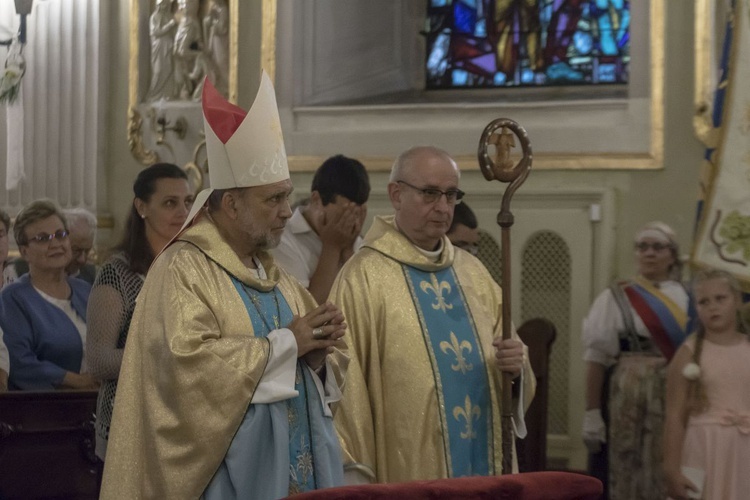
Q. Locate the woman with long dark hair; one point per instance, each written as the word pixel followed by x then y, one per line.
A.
pixel 162 201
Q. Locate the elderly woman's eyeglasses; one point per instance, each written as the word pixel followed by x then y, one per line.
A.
pixel 431 195
pixel 46 238
pixel 643 246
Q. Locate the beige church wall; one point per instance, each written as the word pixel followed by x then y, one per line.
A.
pixel 115 196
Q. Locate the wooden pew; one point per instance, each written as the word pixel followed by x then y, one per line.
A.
pixel 47 445
pixel 538 334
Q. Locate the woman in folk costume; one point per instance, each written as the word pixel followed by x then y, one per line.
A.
pixel 632 330
pixel 230 368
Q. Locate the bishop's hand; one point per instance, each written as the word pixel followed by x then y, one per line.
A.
pixel 317 332
pixel 509 356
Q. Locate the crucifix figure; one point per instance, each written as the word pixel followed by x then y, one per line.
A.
pixel 503 143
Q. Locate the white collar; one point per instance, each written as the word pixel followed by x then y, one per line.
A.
pixel 259 273
pixel 433 255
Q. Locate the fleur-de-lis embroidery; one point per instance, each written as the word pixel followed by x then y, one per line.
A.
pixel 458 348
pixel 437 287
pixel 468 412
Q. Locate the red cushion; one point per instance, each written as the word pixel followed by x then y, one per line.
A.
pixel 525 486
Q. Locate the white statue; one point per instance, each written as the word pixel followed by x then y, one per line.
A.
pixel 161 31
pixel 188 47
pixel 216 29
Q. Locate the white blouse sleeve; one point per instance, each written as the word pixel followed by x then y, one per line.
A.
pixel 601 327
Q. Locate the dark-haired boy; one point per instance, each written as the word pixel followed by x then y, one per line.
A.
pixel 322 235
pixel 464 230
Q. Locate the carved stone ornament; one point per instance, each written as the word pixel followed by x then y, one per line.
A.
pixel 174 45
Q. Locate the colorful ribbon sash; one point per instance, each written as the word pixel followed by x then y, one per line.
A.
pixel 665 320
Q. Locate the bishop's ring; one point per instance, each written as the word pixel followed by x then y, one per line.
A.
pixel 318 333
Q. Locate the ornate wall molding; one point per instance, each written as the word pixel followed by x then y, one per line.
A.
pixel 168 125
pixel 573 129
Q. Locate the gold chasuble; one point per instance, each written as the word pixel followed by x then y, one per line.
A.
pixel 422 395
pixel 191 366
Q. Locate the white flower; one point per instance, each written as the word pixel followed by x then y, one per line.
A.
pixel 11 75
pixel 691 371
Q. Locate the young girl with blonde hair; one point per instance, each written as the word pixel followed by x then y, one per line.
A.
pixel 707 431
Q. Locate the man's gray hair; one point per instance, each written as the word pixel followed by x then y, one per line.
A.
pixel 405 160
pixel 77 215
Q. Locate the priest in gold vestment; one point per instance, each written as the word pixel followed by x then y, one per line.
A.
pixel 423 389
pixel 230 368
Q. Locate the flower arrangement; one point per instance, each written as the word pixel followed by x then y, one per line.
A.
pixel 12 74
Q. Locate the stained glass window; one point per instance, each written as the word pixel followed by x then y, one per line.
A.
pixel 515 43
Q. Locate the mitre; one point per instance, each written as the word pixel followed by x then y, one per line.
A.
pixel 244 149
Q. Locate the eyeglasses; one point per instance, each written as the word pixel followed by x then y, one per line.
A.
pixel 431 195
pixel 643 246
pixel 46 238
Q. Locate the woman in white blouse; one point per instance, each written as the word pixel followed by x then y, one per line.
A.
pixel 632 330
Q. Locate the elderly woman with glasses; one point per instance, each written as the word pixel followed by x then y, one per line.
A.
pixel 43 314
pixel 632 330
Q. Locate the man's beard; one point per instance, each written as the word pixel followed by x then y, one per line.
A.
pixel 267 242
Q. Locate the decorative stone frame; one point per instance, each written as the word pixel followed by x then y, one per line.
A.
pixel 313 131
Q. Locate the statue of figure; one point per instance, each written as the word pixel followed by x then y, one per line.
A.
pixel 216 29
pixel 188 46
pixel 161 31
pixel 503 142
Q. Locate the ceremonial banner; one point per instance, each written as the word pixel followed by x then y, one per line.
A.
pixel 723 236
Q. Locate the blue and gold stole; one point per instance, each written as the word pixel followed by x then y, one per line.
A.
pixel 269 311
pixel 668 324
pixel 458 366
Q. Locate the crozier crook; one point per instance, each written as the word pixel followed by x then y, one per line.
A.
pixel 502 168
